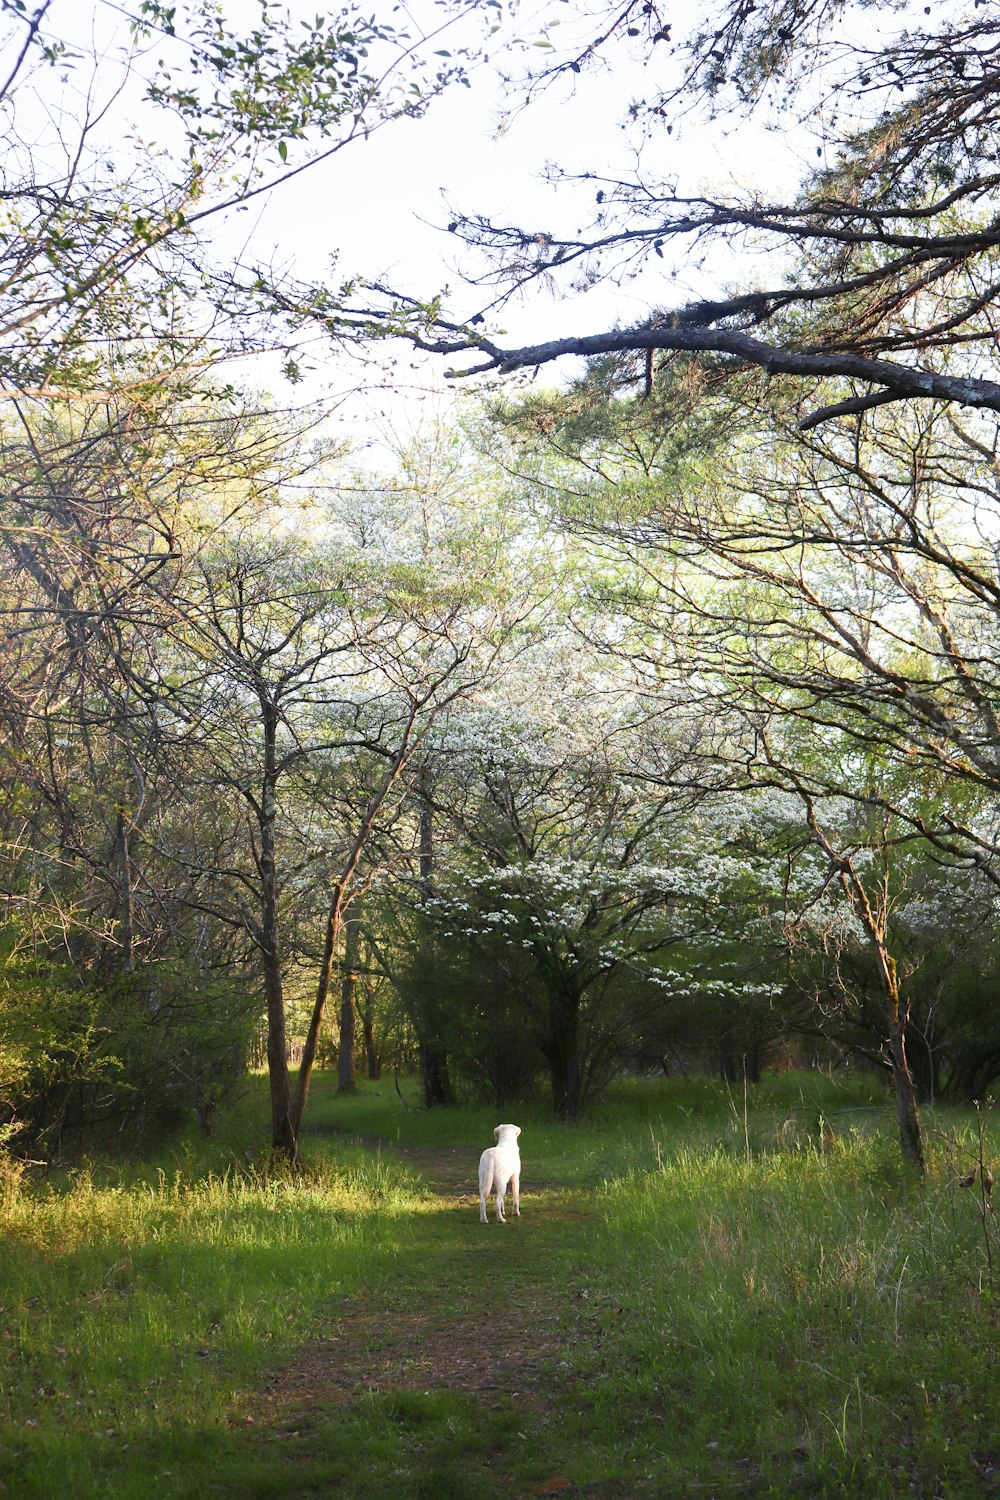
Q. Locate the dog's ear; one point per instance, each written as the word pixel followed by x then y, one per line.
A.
pixel 496 1131
pixel 517 1130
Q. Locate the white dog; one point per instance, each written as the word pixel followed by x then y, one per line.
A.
pixel 498 1166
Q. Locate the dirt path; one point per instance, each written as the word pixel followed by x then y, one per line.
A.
pixel 447 1170
pixel 451 1171
pixel 464 1346
pixel 421 1353
pixel 473 1338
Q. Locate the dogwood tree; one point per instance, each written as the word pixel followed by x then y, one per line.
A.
pixel 580 852
pixel 312 670
pixel 832 590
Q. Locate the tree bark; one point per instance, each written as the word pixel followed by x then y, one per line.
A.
pixel 372 1060
pixel 433 1054
pixel 907 1114
pixel 330 943
pixel 895 382
pixel 562 1053
pixel 874 923
pixel 334 918
pixel 435 1077
pixel 284 1138
pixel 367 1015
pixel 284 1132
pixel 346 1083
pixel 126 924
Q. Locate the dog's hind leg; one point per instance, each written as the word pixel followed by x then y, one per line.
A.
pixel 485 1185
pixel 515 1188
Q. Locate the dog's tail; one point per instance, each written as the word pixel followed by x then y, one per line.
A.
pixel 486 1169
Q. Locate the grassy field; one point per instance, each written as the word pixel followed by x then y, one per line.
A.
pixel 705 1295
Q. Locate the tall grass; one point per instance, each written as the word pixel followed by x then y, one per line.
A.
pixel 738 1295
pixel 821 1318
pixel 135 1307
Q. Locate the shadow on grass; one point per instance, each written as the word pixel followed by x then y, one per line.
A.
pixel 402 1445
pixel 428 1374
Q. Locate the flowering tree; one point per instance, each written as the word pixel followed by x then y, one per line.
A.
pixel 314 673
pixel 831 594
pixel 581 851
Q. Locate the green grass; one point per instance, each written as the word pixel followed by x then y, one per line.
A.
pixel 700 1298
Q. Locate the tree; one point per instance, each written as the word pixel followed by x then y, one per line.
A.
pixel 866 886
pixel 107 511
pixel 830 593
pixel 845 578
pixel 104 511
pixel 111 309
pixel 569 867
pixel 445 504
pixel 457 609
pixel 310 671
pixel 107 275
pixel 939 933
pixel 348 1000
pixel 886 250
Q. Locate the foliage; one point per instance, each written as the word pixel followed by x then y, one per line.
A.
pixel 662 723
pixel 489 1002
pixel 827 600
pixel 882 247
pixel 84 1062
pixel 54 1045
pixel 108 278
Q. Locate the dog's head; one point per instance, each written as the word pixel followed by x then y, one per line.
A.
pixel 507 1132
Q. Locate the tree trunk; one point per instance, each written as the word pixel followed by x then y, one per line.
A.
pixel 284 1132
pixel 875 922
pixel 562 1053
pixel 284 1139
pixel 435 1077
pixel 333 921
pixel 126 925
pixel 907 1115
pixel 331 940
pixel 433 1053
pixel 372 1060
pixel 729 1068
pixel 367 1016
pixel 346 1083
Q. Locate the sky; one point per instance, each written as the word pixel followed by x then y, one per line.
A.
pixel 383 205
pixel 379 207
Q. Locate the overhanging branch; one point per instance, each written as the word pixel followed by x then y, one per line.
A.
pixel 894 382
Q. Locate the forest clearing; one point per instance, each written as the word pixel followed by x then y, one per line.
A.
pixel 499 624
pixel 698 1299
